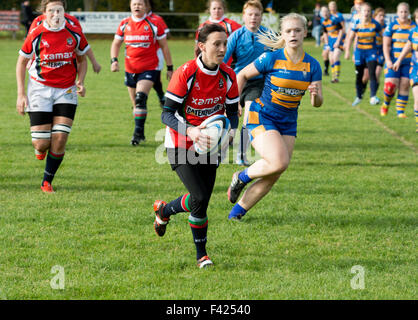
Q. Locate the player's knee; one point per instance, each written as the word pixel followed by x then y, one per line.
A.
pixel 278 167
pixel 199 204
pixel 389 88
pixel 141 100
pixel 41 139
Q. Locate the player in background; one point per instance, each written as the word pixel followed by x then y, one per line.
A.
pixel 333 38
pixel 289 72
pixel 199 89
pixel 217 9
pixel 411 45
pixel 142 37
pixel 365 53
pixel 379 16
pixel 51 98
pixel 73 21
pixel 394 39
pixel 333 9
pixel 244 48
pixel 158 86
pixel 325 47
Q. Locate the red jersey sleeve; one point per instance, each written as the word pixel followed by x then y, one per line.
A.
pixel 120 32
pixel 72 20
pixel 180 83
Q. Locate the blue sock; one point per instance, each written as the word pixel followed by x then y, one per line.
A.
pixel 237 212
pixel 243 176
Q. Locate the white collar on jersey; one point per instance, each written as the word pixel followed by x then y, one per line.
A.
pixel 204 69
pixel 216 21
pixel 135 19
pixel 46 25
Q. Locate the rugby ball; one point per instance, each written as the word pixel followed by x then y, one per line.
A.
pixel 217 127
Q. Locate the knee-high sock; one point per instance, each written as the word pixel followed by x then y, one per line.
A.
pixel 53 162
pixel 199 227
pixel 181 204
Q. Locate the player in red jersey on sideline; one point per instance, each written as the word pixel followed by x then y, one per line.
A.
pixel 217 10
pixel 199 89
pixel 57 49
pixel 142 38
pixel 73 21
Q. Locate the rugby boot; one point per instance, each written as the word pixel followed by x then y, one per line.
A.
pixel 160 223
pixel 235 188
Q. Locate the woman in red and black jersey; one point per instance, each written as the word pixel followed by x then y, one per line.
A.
pixel 199 89
pixel 58 51
pixel 142 37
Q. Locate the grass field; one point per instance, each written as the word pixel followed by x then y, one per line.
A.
pixel 349 198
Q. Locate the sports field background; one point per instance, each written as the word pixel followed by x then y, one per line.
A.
pixel 349 198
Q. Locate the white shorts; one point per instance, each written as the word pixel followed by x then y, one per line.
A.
pixel 42 98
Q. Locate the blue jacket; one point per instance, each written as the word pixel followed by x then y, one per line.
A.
pixel 244 47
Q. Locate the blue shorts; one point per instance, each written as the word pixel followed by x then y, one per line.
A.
pixel 361 56
pixel 283 121
pixel 380 57
pixel 403 72
pixel 131 79
pixel 332 41
pixel 413 75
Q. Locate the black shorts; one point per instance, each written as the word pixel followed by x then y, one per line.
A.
pixel 131 79
pixel 59 110
pixel 252 90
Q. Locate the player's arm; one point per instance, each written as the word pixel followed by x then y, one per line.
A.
pixel 114 53
pixel 81 73
pixel 22 99
pixel 96 66
pixel 167 56
pixel 387 43
pixel 348 42
pixel 315 89
pixel 340 36
pixel 406 49
pixel 246 74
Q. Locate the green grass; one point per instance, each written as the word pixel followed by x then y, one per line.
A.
pixel 348 198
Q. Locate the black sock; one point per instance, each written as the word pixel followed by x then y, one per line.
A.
pixel 326 64
pixel 199 228
pixel 181 204
pixel 53 161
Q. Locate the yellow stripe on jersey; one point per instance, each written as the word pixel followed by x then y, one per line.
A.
pixel 253 117
pixel 289 65
pixel 289 83
pixel 399 36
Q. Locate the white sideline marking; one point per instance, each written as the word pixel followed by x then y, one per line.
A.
pixel 393 133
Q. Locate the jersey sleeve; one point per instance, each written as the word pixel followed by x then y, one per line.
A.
pixel 264 63
pixel 316 71
pixel 36 22
pixel 232 99
pixel 388 31
pixel 231 46
pixel 120 32
pixel 27 48
pixel 83 46
pixel 161 34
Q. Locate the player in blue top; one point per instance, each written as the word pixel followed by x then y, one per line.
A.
pixel 289 72
pixel 412 44
pixel 244 47
pixel 395 37
pixel 365 53
pixel 333 37
pixel 379 16
pixel 333 9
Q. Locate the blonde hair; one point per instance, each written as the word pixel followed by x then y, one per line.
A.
pixel 415 15
pixel 253 3
pixel 402 4
pixel 275 40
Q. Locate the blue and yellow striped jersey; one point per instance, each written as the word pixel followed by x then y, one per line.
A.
pixel 399 33
pixel 285 81
pixel 379 38
pixel 366 34
pixel 413 37
pixel 331 26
